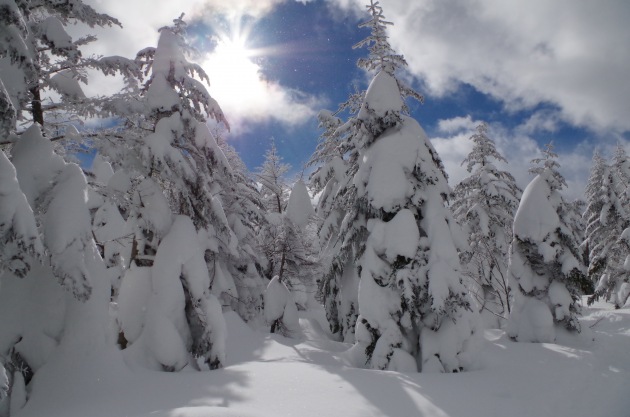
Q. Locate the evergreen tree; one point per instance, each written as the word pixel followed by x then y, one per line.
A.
pixel 621 168
pixel 38 56
pixel 614 284
pixel 275 193
pixel 45 237
pixel 246 217
pixel 173 185
pixel 610 267
pixel 290 250
pixel 545 264
pixel 414 310
pixel 621 165
pixel 485 203
pixel 273 183
pixel 606 216
pixel 336 161
pixel 299 247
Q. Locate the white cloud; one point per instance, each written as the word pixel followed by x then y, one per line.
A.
pixel 573 53
pixel 245 97
pixel 541 121
pixel 456 124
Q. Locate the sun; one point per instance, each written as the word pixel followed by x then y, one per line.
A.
pixel 237 83
pixel 231 63
pixel 235 76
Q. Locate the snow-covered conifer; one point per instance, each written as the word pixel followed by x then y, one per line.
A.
pixel 46 234
pixel 273 182
pixel 299 247
pixel 275 193
pixel 50 195
pixel 621 164
pixel 545 263
pixel 175 178
pixel 39 56
pixel 19 236
pixel 485 203
pixel 606 217
pixel 414 309
pixel 614 284
pixel 290 252
pixel 336 158
pixel 621 172
pixel 246 216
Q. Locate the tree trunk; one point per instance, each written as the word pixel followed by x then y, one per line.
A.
pixel 36 106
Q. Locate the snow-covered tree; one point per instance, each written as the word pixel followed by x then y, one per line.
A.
pixel 46 234
pixel 274 190
pixel 609 237
pixel 246 216
pixel 606 216
pixel 414 308
pixel 614 284
pixel 621 165
pixel 290 251
pixel 299 247
pixel 273 182
pixel 485 203
pixel 173 187
pixel 47 243
pixel 18 231
pixel 167 312
pixel 336 160
pixel 38 56
pixel 545 263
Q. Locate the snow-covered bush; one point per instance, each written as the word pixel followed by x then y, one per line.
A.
pixel 280 310
pixel 182 318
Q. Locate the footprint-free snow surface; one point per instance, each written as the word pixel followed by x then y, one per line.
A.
pixel 267 375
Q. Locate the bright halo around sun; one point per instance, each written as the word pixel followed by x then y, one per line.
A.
pixel 234 76
pixel 237 85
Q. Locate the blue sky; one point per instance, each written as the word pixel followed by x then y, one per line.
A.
pixel 535 72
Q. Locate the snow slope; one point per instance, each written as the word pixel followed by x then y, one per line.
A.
pixel 268 375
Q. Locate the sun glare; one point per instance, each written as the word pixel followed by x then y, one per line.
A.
pixel 236 82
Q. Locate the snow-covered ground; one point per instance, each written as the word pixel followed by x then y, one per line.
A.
pixel 268 375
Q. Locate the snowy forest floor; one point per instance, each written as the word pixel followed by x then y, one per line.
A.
pixel 268 375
